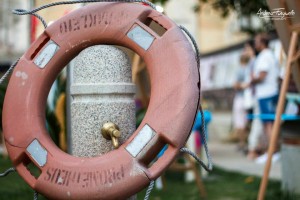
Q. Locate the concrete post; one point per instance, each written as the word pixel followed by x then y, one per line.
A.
pixel 102 91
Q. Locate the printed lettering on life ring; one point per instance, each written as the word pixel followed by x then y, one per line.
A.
pixel 175 86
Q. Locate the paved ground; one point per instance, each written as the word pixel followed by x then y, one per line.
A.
pixel 226 155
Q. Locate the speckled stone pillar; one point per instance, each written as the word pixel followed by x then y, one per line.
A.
pixel 102 91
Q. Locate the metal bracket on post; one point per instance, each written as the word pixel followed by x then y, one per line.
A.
pixel 111 131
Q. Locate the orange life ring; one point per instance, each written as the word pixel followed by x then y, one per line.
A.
pixel 175 87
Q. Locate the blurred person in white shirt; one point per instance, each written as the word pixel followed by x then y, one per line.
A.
pixel 265 81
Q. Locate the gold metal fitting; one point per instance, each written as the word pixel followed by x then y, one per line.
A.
pixel 111 131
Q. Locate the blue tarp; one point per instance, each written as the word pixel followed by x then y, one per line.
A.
pixel 198 121
pixel 284 117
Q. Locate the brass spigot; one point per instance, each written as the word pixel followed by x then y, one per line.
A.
pixel 111 131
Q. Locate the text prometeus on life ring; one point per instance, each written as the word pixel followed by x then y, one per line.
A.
pixel 84 179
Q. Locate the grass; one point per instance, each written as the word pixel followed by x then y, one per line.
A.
pixel 12 187
pixel 220 185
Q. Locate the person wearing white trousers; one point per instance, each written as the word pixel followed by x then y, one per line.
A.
pixel 256 132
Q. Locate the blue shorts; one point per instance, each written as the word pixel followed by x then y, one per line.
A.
pixel 268 106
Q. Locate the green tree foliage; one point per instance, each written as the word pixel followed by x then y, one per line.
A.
pixel 244 8
pixel 162 2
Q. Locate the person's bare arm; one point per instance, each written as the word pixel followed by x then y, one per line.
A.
pixel 260 78
pixel 240 86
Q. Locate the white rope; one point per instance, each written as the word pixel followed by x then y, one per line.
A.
pixel 8 171
pixel 149 190
pixel 7 73
pixel 33 12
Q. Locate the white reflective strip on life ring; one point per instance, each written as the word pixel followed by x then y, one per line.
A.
pixel 140 141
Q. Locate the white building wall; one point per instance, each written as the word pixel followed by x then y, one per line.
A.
pixel 182 12
pixel 14 30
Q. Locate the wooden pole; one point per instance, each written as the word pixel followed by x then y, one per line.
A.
pixel 137 66
pixel 197 175
pixel 190 165
pixel 279 111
